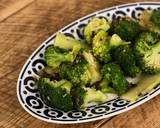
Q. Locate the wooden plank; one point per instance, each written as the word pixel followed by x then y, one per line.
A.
pixel 23 32
pixel 144 116
pixel 20 35
pixel 102 122
pixel 13 8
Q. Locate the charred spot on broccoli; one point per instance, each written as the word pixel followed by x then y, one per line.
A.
pixel 49 72
pixel 147 49
pixel 56 93
pixel 149 21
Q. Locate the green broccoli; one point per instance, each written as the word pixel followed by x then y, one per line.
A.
pixel 64 49
pixel 103 44
pixel 124 56
pixel 66 42
pixel 56 93
pixel 155 18
pixel 144 85
pixel 93 67
pixel 149 21
pixel 116 41
pixel 85 70
pixel 100 46
pixel 127 29
pixel 78 72
pixel 54 56
pixel 93 27
pixel 113 76
pixel 82 96
pixel 147 51
pixel 105 87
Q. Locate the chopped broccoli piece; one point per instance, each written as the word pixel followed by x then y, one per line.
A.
pixel 82 96
pixel 56 93
pixel 126 59
pixel 126 29
pixel 93 67
pixel 48 72
pixel 64 49
pixel 105 87
pixel 155 18
pixel 84 70
pixel 147 51
pixel 66 42
pixel 114 77
pixel 93 27
pixel 146 84
pixel 54 56
pixel 147 22
pixel 116 41
pixel 102 45
pixel 78 73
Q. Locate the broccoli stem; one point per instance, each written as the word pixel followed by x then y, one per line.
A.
pixel 146 84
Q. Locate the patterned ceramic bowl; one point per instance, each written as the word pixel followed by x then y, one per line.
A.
pixel 28 94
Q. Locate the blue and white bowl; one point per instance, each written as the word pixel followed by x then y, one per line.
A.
pixel 28 94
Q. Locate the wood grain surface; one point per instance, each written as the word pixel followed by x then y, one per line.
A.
pixel 23 27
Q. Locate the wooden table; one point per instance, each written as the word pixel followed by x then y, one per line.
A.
pixel 24 25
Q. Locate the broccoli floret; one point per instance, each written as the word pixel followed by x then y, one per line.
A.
pixel 147 50
pixel 148 20
pixel 155 18
pixel 105 87
pixel 103 44
pixel 84 70
pixel 82 96
pixel 78 72
pixel 93 67
pixel 100 46
pixel 116 41
pixel 126 59
pixel 54 56
pixel 66 42
pixel 93 27
pixel 56 93
pixel 113 76
pixel 127 29
pixel 64 49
